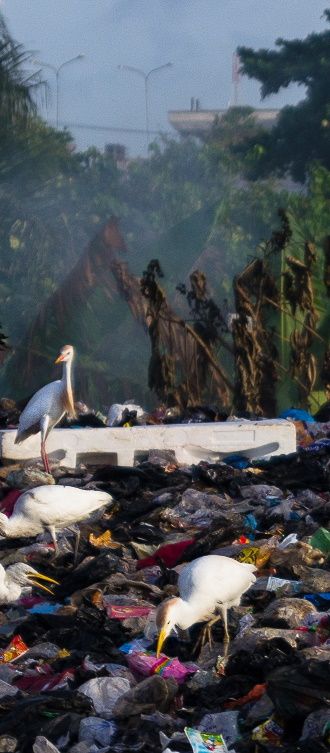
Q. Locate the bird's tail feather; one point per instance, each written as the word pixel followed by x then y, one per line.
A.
pixel 25 433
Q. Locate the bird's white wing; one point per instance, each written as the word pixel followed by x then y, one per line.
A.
pixel 59 505
pixel 214 579
pixel 42 403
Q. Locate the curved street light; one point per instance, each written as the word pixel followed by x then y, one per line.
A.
pixel 57 70
pixel 145 77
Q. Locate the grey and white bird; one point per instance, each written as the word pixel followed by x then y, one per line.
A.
pixel 51 508
pixel 207 585
pixel 48 405
pixel 18 577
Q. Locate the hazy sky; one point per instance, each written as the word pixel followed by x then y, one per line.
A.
pixel 197 36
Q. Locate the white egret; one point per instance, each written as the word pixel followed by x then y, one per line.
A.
pixel 48 406
pixel 206 585
pixel 17 577
pixel 49 508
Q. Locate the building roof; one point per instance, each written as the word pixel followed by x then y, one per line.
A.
pixel 195 123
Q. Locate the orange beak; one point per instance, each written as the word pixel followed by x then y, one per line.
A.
pixel 59 359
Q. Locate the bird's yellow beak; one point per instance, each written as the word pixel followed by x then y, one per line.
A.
pixel 59 358
pixel 161 639
pixel 42 577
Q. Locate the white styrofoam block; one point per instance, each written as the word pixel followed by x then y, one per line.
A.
pixel 191 442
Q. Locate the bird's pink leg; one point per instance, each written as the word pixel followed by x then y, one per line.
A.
pixel 44 427
pixel 44 457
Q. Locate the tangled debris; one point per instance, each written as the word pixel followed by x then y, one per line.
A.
pixel 78 668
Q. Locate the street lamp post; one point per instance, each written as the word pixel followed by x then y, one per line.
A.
pixel 57 70
pixel 145 77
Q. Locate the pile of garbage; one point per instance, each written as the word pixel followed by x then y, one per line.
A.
pixel 78 667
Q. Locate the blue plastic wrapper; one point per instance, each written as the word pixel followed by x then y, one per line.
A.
pixel 139 644
pixel 272 501
pixel 297 415
pixel 45 608
pixel 237 461
pixel 250 522
pixel 321 601
pixel 320 444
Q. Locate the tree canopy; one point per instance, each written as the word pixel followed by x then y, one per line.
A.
pixel 302 133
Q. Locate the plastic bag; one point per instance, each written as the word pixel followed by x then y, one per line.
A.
pixel 105 692
pixel 288 541
pixel 274 584
pixel 95 730
pixel 115 414
pixel 151 630
pixel 169 554
pixel 40 683
pixel 139 644
pixel 315 724
pixel 225 722
pixel 42 745
pixel 153 693
pixel 300 689
pixel 321 540
pixel 6 689
pixel 147 664
pixel 320 600
pixel 45 608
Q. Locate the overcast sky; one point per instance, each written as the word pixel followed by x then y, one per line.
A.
pixel 197 36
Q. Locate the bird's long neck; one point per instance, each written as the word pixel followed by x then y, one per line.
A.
pixel 67 385
pixel 187 614
pixel 11 591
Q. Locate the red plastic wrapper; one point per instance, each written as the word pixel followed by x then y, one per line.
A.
pixel 16 648
pixel 118 612
pixel 38 683
pixel 30 601
pixel 8 503
pixel 147 664
pixel 169 555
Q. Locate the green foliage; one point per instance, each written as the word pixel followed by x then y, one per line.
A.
pixel 186 205
pixel 222 144
pixel 15 85
pixel 172 184
pixel 244 220
pixel 302 133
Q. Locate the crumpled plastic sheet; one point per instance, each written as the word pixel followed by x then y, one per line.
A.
pixel 105 692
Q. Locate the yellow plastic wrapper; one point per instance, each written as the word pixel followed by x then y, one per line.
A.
pixel 104 540
pixel 249 554
pixel 63 653
pixel 269 732
pixel 257 555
